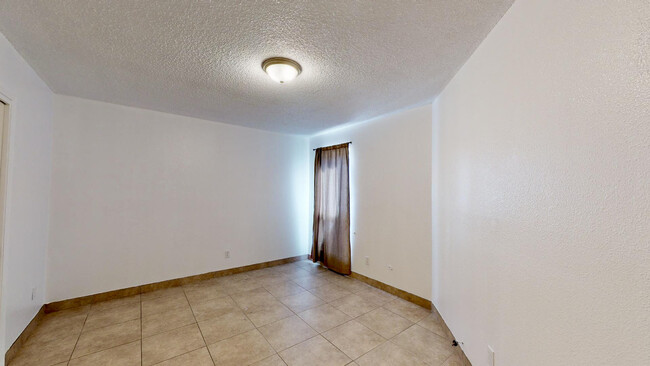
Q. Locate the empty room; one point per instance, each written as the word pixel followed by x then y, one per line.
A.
pixel 326 183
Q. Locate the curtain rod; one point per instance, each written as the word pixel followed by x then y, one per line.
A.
pixel 325 147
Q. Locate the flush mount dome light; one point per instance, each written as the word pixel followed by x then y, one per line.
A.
pixel 281 69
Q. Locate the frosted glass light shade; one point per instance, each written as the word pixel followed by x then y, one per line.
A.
pixel 281 69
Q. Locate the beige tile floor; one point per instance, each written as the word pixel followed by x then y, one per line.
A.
pixel 294 314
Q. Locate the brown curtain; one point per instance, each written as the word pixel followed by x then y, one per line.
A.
pixel 331 244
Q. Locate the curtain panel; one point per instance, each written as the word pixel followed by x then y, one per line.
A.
pixel 331 240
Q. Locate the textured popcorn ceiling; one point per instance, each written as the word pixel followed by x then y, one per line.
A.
pixel 360 59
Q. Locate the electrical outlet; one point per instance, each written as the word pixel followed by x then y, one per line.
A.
pixel 367 261
pixel 227 254
pixel 490 356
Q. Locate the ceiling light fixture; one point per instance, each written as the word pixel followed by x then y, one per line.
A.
pixel 281 69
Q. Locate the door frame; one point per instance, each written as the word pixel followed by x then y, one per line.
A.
pixel 9 108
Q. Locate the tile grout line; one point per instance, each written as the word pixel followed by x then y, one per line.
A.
pixel 396 335
pixel 105 349
pixel 113 324
pixel 102 350
pixel 266 339
pixel 363 325
pixel 142 320
pixel 386 339
pixel 179 355
pixel 197 325
pixel 237 305
pixel 80 333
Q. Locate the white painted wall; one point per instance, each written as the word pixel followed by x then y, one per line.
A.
pixel 390 196
pixel 28 192
pixel 140 196
pixel 542 237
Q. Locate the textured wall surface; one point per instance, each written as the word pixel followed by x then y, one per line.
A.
pixel 28 192
pixel 542 229
pixel 140 196
pixel 202 58
pixel 390 196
